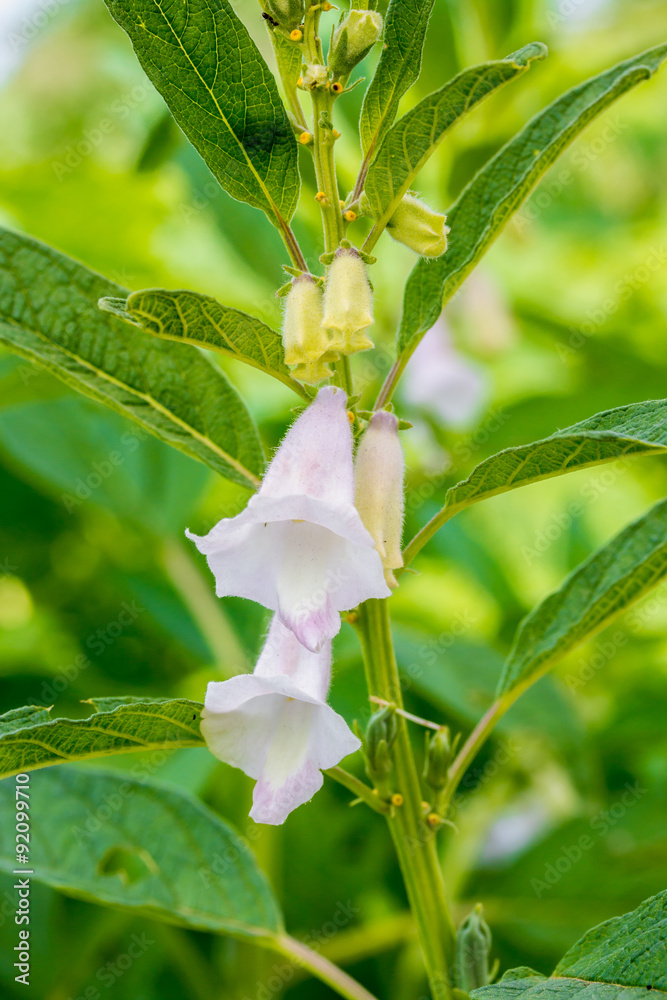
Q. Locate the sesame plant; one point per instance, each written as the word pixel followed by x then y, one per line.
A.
pixel 319 539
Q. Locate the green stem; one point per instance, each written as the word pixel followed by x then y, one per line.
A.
pixel 325 171
pixel 321 967
pixel 358 788
pixel 415 843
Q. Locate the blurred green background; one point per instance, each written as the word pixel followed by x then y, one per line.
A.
pixel 565 317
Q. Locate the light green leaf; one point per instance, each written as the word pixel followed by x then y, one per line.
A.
pixel 150 849
pixel 636 429
pixel 409 143
pixel 613 578
pixel 398 68
pixel 621 958
pixel 49 314
pixel 495 193
pixel 189 318
pixel 222 94
pixel 31 739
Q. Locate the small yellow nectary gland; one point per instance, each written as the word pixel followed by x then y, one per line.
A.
pixel 337 88
pixel 433 820
pixel 349 216
pixel 296 35
pixel 305 138
pixel 397 799
pixel 327 6
pixel 321 197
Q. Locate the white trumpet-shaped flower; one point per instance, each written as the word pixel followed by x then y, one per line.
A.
pixel 276 726
pixel 300 547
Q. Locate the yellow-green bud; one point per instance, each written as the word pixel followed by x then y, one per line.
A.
pixel 315 77
pixel 305 341
pixel 348 303
pixel 473 944
pixel 288 13
pixel 380 735
pixel 354 37
pixel 378 489
pixel 419 227
pixel 439 752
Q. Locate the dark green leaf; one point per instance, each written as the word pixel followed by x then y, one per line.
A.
pixel 624 956
pixel 190 318
pixel 147 848
pixel 222 94
pixel 614 577
pixel 30 738
pixel 495 193
pixel 637 429
pixel 404 31
pixel 49 314
pixel 414 138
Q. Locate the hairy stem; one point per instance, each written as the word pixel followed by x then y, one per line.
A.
pixel 415 843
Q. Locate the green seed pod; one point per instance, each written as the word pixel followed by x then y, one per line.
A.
pixel 473 944
pixel 380 735
pixel 288 14
pixel 439 753
pixel 353 39
pixel 419 227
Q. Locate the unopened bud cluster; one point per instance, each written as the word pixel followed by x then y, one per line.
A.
pixel 473 945
pixel 319 327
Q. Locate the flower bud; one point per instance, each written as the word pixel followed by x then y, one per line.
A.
pixel 378 489
pixel 354 37
pixel 305 341
pixel 419 227
pixel 348 303
pixel 439 753
pixel 287 13
pixel 380 735
pixel 473 943
pixel 315 77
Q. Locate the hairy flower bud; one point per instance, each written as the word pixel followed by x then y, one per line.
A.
pixel 348 303
pixel 378 489
pixel 315 77
pixel 354 37
pixel 473 943
pixel 419 227
pixel 305 341
pixel 439 752
pixel 287 13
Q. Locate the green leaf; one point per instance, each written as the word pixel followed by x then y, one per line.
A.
pixel 150 849
pixel 222 94
pixel 414 138
pixel 636 429
pixel 189 318
pixel 49 314
pixel 30 738
pixel 614 577
pixel 624 956
pixel 495 193
pixel 398 67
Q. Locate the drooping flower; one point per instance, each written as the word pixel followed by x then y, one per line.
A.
pixel 378 477
pixel 276 726
pixel 300 547
pixel 419 227
pixel 348 303
pixel 305 341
